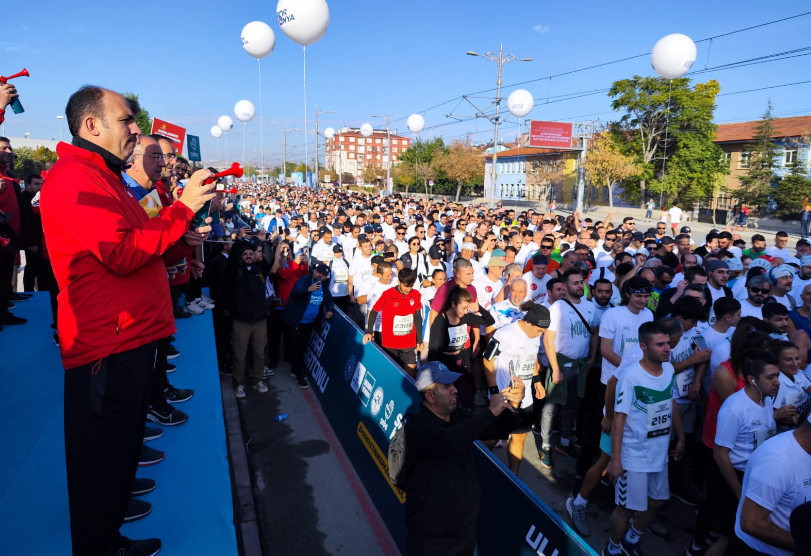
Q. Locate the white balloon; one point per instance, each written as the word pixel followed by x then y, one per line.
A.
pixel 415 123
pixel 366 130
pixel 216 131
pixel 673 56
pixel 258 39
pixel 244 110
pixel 303 21
pixel 225 123
pixel 329 133
pixel 520 103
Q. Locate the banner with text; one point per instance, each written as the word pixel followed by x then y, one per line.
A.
pixel 172 132
pixel 550 134
pixel 365 396
pixel 193 146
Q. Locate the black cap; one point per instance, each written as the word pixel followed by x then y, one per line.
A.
pixel 685 230
pixel 337 248
pixel 369 229
pixel 324 230
pixel 448 230
pixel 667 240
pixel 395 220
pixel 637 236
pixel 538 315
pixel 378 229
pixel 321 268
pixel 434 252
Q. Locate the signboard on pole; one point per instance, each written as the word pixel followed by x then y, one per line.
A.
pixel 193 146
pixel 172 132
pixel 556 135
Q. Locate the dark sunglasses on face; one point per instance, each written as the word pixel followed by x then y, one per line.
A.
pixel 760 290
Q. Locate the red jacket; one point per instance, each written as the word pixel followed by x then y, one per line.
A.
pixel 109 258
pixel 183 277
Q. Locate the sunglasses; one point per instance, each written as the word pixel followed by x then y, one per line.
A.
pixel 547 246
pixel 760 290
pixel 400 233
pixel 414 243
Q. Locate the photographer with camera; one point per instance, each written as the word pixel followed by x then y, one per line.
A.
pixel 284 273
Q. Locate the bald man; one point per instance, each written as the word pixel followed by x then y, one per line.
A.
pixel 144 172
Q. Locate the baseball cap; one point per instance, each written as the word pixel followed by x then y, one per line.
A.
pixel 667 240
pixel 368 229
pixel 337 248
pixel 538 315
pixel 435 373
pixel 496 261
pixel 448 229
pixel 378 229
pixel 435 253
pixel 324 230
pixel 637 236
pixel 321 268
pixel 685 230
pixel 642 251
pixel 715 264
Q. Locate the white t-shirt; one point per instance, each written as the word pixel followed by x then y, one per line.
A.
pixel 622 326
pixel 428 295
pixel 683 380
pixel 743 425
pixel 323 252
pixel 525 252
pixel 536 287
pixel 338 278
pixel 360 269
pixel 504 313
pixel 675 215
pixel 572 339
pixel 749 310
pixel 774 251
pixel 783 300
pixel 797 287
pixel 517 352
pixel 778 478
pixel 349 244
pixel 486 290
pixel 793 392
pixel 647 401
pixel 374 294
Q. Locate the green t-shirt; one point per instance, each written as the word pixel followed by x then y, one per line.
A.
pixel 752 254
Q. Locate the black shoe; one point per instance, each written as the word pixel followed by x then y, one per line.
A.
pixel 302 382
pixel 226 371
pixel 142 486
pixel 172 353
pixel 151 433
pixel 171 339
pixel 10 306
pixel 8 318
pixel 17 297
pixel 181 314
pixel 170 368
pixel 150 456
pixel 136 509
pixel 147 547
pixel 177 395
pixel 566 451
pixel 167 416
pixel 53 325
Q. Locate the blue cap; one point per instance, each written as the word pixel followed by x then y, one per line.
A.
pixel 435 373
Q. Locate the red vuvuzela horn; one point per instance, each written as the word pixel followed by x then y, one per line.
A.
pixel 23 73
pixel 235 170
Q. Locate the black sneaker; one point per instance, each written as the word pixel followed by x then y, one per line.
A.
pixel 172 353
pixel 167 416
pixel 10 306
pixel 147 547
pixel 136 509
pixel 170 368
pixel 150 456
pixel 142 486
pixel 172 339
pixel 567 451
pixel 181 314
pixel 17 297
pixel 177 395
pixel 226 371
pixel 268 372
pixel 151 433
pixel 8 318
pixel 302 382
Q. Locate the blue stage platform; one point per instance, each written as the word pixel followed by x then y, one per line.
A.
pixel 192 504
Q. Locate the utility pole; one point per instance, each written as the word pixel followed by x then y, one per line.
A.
pixel 500 59
pixel 317 113
pixel 285 129
pixel 387 150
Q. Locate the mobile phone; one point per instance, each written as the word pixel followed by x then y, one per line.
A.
pixel 492 349
pixel 512 375
pixel 700 343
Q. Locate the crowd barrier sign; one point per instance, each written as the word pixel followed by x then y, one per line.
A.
pixel 365 396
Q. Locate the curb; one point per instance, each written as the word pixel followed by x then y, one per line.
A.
pixel 244 511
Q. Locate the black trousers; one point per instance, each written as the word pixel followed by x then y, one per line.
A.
pixel 33 271
pixel 105 414
pixel 276 331
pixel 301 338
pixel 6 272
pixel 174 291
pixel 159 382
pixel 594 402
pixel 343 304
pixel 48 281
pixel 222 338
pixel 460 542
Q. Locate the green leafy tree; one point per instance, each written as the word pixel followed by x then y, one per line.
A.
pixel 422 156
pixel 756 185
pixel 658 123
pixel 32 161
pixel 463 164
pixel 791 191
pixel 141 116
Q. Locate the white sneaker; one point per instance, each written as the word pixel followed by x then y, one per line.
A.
pixel 203 304
pixel 207 300
pixel 193 308
pixel 240 391
pixel 261 387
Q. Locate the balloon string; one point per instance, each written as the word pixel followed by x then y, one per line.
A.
pixel 306 142
pixel 226 145
pixel 244 132
pixel 261 133
pixel 664 155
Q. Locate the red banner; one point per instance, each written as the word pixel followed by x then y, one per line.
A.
pixel 550 134
pixel 174 133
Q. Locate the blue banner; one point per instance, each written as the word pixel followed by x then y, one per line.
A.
pixel 365 395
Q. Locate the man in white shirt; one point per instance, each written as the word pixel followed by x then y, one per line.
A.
pixel 802 278
pixel 508 311
pixel 757 291
pixel 782 278
pixel 322 250
pixel 779 247
pixel 675 217
pixel 360 267
pixel 537 279
pixel 489 285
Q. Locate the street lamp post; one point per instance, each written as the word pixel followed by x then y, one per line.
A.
pixel 317 113
pixel 60 118
pixel 387 149
pixel 284 152
pixel 500 59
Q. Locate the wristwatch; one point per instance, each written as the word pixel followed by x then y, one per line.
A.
pixel 493 389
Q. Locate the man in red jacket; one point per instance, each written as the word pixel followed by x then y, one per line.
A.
pixel 109 259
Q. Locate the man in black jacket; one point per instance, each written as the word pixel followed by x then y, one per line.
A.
pixel 31 224
pixel 442 492
pixel 217 270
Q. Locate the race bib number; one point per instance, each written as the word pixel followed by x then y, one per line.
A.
pixel 403 325
pixel 458 337
pixel 683 382
pixel 659 416
pixel 341 276
pixel 759 437
pixel 365 273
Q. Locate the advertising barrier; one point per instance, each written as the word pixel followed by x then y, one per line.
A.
pixel 365 396
pixel 550 134
pixel 174 133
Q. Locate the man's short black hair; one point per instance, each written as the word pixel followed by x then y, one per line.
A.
pixel 726 306
pixel 627 218
pixel 774 309
pixel 87 101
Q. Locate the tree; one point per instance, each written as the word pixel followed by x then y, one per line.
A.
pixel 542 172
pixel 605 164
pixel 370 175
pixel 463 164
pixel 661 118
pixel 791 191
pixel 423 155
pixel 756 185
pixel 141 116
pixel 30 161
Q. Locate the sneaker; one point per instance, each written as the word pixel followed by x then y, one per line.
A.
pixel 240 391
pixel 147 547
pixel 142 486
pixel 657 529
pixel 579 517
pixel 203 304
pixel 302 382
pixel 268 372
pixel 260 387
pixel 180 313
pixel 692 551
pixel 566 451
pixel 172 339
pixel 8 318
pixel 152 433
pixel 10 306
pixel 56 339
pixel 605 552
pixel 546 457
pixel 136 509
pixel 17 297
pixel 170 368
pixel 177 395
pixel 194 309
pixel 167 416
pixel 226 371
pixel 688 495
pixel 480 399
pixel 631 549
pixel 172 353
pixel 150 456
pixel 207 300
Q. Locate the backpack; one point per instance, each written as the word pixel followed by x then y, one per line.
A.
pixel 397 457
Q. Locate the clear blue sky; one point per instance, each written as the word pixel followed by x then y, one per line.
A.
pixel 185 59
